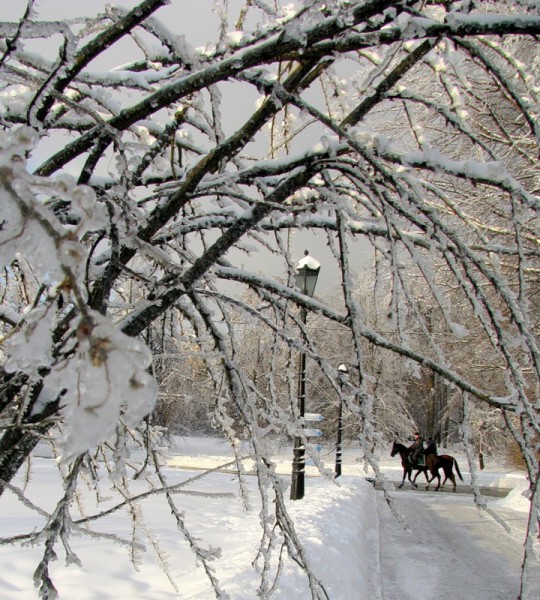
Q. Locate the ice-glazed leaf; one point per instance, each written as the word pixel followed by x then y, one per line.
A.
pixel 105 381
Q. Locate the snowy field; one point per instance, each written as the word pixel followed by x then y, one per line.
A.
pixel 338 523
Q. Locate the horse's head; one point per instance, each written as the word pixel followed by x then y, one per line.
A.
pixel 394 450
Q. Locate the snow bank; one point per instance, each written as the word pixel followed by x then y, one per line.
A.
pixel 340 531
pixel 517 497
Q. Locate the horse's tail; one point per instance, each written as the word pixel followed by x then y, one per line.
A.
pixel 457 469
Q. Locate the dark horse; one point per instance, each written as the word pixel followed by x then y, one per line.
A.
pixel 434 462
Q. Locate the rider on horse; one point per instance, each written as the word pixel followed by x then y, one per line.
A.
pixel 416 448
pixel 431 447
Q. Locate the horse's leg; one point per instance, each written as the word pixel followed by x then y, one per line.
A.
pixel 403 480
pixel 436 475
pixel 448 474
pixel 411 481
pixel 418 471
pixel 438 478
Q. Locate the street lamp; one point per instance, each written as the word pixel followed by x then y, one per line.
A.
pixel 307 271
pixel 343 373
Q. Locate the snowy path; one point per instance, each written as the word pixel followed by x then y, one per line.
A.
pixel 452 552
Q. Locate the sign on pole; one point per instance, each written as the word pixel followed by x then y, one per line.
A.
pixel 313 417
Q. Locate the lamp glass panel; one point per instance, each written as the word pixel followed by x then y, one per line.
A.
pixel 306 280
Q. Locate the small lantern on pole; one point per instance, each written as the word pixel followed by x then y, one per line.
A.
pixel 307 272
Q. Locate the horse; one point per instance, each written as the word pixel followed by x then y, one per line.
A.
pixel 434 462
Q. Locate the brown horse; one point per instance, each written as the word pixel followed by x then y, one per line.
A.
pixel 434 462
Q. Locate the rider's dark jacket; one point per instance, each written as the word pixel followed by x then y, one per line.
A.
pixel 416 447
pixel 431 448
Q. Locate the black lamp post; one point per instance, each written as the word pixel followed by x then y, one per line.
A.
pixel 342 378
pixel 307 271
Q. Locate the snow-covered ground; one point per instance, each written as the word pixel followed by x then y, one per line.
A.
pixel 338 523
